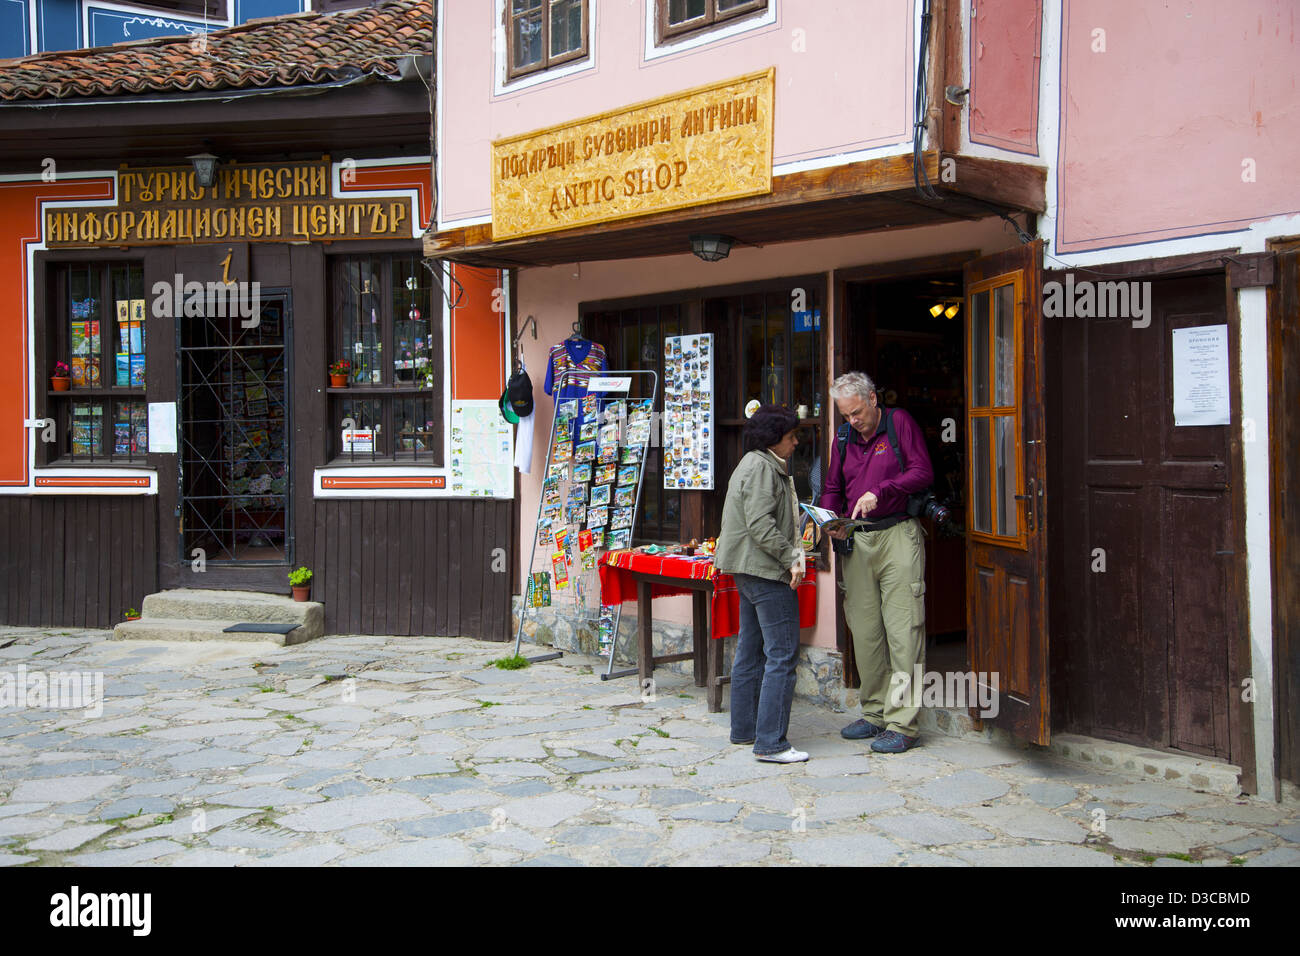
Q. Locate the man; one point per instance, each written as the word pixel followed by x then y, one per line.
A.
pixel 884 575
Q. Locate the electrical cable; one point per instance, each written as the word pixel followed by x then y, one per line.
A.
pixel 920 180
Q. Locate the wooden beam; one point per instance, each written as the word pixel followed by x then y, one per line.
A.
pixel 1018 185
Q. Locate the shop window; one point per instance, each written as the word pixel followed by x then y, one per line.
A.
pixel 675 18
pixel 96 314
pixel 634 339
pixel 541 34
pixel 386 324
pixel 994 412
pixel 773 331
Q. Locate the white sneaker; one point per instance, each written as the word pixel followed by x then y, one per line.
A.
pixel 785 756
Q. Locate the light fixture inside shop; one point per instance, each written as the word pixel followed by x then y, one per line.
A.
pixel 205 168
pixel 951 311
pixel 711 247
pixel 936 310
pixel 947 308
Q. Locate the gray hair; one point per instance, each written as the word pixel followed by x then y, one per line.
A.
pixel 853 383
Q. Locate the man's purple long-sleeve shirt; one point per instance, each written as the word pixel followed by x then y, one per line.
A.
pixel 873 467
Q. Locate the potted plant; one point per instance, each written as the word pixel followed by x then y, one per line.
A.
pixel 339 373
pixel 60 380
pixel 131 614
pixel 300 581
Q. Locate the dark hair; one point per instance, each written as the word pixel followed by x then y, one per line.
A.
pixel 769 425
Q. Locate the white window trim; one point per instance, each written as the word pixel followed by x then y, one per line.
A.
pixel 502 85
pixel 693 40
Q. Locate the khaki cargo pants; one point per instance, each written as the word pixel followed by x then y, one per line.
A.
pixel 884 606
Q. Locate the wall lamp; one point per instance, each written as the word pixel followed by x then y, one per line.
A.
pixel 711 247
pixel 205 168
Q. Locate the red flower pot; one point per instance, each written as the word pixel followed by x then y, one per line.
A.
pixel 338 381
pixel 301 592
pixel 61 383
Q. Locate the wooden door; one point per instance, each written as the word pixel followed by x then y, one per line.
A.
pixel 1284 437
pixel 1148 555
pixel 1006 554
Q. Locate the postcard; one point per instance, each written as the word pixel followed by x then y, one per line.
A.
pixel 599 495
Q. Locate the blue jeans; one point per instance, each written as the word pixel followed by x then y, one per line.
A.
pixel 762 673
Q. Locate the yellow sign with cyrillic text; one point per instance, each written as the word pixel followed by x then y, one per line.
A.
pixel 701 146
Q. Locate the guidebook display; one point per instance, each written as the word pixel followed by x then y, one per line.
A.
pixel 688 411
pixel 590 489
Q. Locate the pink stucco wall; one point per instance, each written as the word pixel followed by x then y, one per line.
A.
pixel 844 79
pixel 1005 47
pixel 553 295
pixel 1155 130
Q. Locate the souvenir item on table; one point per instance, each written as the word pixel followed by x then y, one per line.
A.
pixel 604 474
pixel 624 497
pixel 597 517
pixel 586 451
pixel 588 431
pixel 560 565
pixel 599 495
pixel 582 472
pixel 608 453
pixel 632 455
pixel 622 519
pixel 627 475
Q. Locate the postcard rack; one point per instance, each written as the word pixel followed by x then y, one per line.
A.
pixel 591 492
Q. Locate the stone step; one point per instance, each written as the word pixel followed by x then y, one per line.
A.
pixel 175 629
pixel 194 604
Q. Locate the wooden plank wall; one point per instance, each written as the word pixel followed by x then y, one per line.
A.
pixel 415 566
pixel 76 561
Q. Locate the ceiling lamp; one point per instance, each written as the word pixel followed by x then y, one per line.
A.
pixel 711 247
pixel 951 311
pixel 936 310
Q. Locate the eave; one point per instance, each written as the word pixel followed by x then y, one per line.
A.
pixel 867 196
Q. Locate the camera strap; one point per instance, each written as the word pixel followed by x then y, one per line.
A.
pixel 842 439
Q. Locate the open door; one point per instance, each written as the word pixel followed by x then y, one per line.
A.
pixel 1006 553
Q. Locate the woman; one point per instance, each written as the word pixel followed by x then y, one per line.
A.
pixel 759 548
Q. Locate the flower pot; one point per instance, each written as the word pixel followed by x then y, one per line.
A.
pixel 301 592
pixel 60 383
pixel 131 617
pixel 338 381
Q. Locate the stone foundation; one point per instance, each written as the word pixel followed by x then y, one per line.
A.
pixel 819 676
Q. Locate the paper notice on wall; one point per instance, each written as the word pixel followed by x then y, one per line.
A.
pixel 1201 394
pixel 162 428
pixel 482 451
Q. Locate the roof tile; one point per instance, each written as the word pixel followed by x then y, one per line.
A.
pixel 292 50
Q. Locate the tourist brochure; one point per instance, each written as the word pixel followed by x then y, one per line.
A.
pixel 829 521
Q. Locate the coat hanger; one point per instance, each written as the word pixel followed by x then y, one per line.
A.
pixel 576 335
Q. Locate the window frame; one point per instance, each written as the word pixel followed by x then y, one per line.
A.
pixel 547 61
pixel 666 32
pixel 388 392
pixel 54 344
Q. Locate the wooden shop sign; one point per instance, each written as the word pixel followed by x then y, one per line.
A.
pixel 702 146
pixel 284 202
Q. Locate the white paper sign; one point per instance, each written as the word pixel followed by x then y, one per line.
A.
pixel 1201 394
pixel 162 428
pixel 609 384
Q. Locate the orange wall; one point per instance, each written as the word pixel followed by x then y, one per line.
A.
pixel 477 334
pixel 20 226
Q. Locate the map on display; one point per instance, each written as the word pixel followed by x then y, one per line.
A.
pixel 482 451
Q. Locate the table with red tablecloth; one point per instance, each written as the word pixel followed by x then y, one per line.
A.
pixel 625 575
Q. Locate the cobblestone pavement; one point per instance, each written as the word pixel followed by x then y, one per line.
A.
pixel 397 751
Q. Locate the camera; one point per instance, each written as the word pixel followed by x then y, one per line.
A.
pixel 924 504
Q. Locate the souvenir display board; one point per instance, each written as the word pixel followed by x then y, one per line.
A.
pixel 688 412
pixel 591 489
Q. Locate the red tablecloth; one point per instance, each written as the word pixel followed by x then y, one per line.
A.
pixel 617 585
